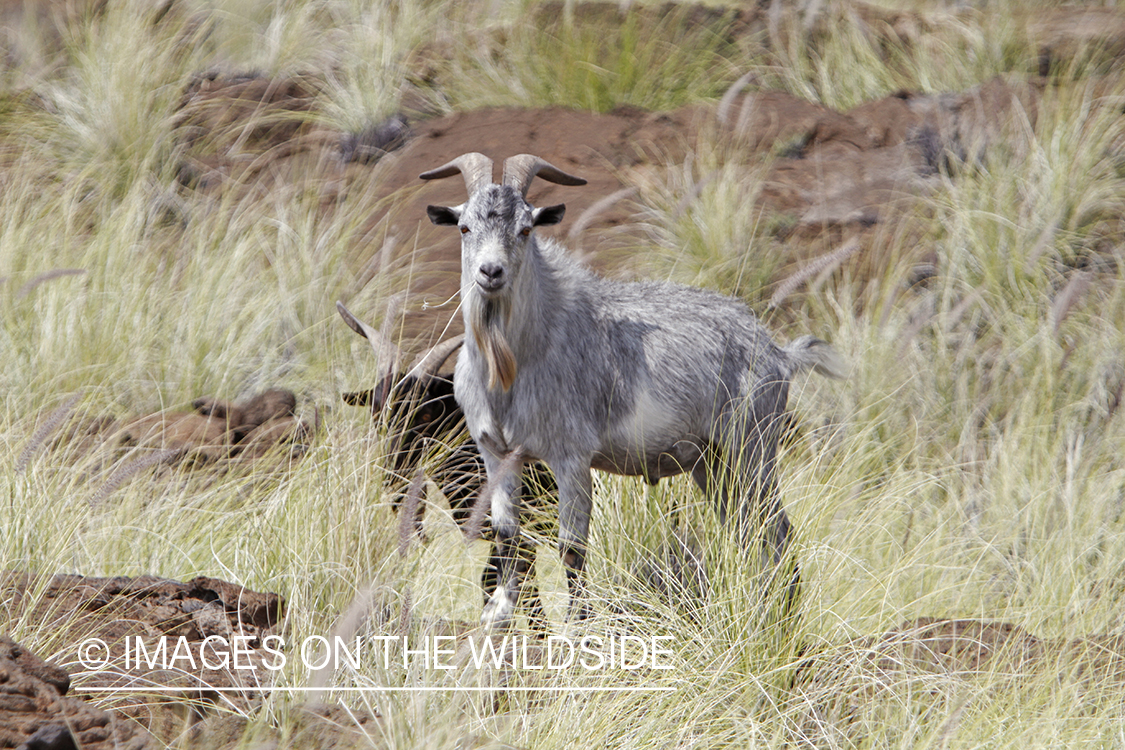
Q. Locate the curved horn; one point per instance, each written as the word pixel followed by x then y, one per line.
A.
pixel 387 355
pixel 520 170
pixel 474 166
pixel 427 365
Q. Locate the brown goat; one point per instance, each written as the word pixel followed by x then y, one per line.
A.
pixel 418 405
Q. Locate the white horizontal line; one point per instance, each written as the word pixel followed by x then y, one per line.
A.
pixel 373 689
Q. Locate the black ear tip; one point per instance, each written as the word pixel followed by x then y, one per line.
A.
pixel 443 216
pixel 545 217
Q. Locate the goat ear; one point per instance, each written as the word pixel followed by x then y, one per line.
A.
pixel 545 217
pixel 444 216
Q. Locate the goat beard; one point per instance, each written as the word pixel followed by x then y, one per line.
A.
pixel 488 321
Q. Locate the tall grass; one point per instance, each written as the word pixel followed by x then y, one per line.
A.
pixel 704 228
pixel 933 49
pixel 970 465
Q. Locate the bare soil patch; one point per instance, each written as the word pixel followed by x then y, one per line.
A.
pixel 831 176
pixel 48 703
pixel 35 711
pixel 66 610
pixel 262 434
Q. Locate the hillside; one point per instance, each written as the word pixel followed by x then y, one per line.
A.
pixel 186 190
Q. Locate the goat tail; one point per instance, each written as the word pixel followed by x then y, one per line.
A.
pixel 811 353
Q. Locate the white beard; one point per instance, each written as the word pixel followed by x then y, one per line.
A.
pixel 488 322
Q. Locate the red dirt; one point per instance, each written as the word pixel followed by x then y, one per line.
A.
pixel 66 610
pixel 834 173
pixel 35 711
pixel 261 434
pixel 46 702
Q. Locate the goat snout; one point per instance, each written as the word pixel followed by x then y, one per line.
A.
pixel 491 277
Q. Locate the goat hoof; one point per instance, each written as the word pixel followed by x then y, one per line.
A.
pixel 498 612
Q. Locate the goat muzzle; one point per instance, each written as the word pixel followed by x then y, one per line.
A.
pixel 491 278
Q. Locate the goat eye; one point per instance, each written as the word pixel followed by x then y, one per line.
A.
pixel 464 230
pixel 525 231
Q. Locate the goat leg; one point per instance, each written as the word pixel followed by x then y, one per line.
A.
pixel 575 503
pixel 503 490
pixel 528 588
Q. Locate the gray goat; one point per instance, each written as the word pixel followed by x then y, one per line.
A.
pixel 637 378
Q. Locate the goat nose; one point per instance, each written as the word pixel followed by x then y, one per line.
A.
pixel 492 272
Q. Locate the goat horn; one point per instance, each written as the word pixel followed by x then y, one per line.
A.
pixel 474 166
pixel 520 170
pixel 427 365
pixel 384 348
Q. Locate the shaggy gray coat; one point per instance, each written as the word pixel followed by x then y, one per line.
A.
pixel 650 379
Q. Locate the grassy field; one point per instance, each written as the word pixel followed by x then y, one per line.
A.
pixel 972 465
